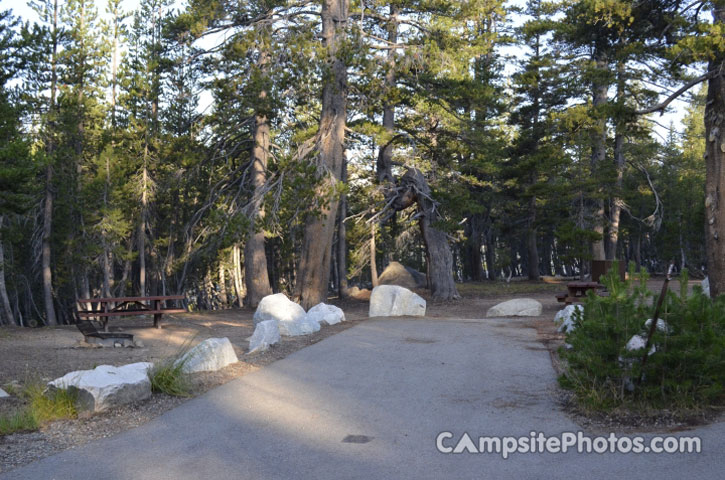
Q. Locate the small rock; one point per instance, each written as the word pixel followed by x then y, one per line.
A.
pixel 394 301
pixel 266 333
pixel 4 394
pixel 519 307
pixel 209 356
pixel 138 344
pixel 324 313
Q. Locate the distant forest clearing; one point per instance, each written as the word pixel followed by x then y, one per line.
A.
pixel 468 140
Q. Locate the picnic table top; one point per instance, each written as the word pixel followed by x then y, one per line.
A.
pixel 584 285
pixel 131 299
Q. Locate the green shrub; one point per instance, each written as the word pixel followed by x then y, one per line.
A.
pixel 687 371
pixel 40 407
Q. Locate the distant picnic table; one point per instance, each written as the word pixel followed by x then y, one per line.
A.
pixel 104 308
pixel 577 291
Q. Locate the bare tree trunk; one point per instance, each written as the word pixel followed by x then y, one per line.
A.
pixel 531 242
pixel 223 285
pixel 314 270
pixel 385 156
pixel 255 258
pixel 342 238
pixel 490 240
pixel 714 158
pixel 7 318
pixel 599 150
pixel 373 257
pixel 238 274
pixel 50 318
pixel 439 259
pixel 616 209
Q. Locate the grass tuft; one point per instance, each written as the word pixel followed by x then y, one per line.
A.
pixel 39 408
pixel 168 376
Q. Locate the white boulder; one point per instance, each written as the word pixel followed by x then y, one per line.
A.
pixel 209 356
pixel 302 326
pixel 706 286
pixel 287 313
pixel 395 301
pixel 324 313
pixel 518 307
pixel 3 393
pixel 638 342
pixel 106 386
pixel 661 325
pixel 565 317
pixel 266 333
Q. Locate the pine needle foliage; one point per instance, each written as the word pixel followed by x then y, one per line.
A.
pixel 687 369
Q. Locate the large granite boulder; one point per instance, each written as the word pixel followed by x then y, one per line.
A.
pixel 566 316
pixel 519 307
pixel 394 301
pixel 398 274
pixel 302 326
pixel 324 313
pixel 209 356
pixel 280 308
pixel 265 334
pixel 106 386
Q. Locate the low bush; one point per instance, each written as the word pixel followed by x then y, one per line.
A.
pixel 687 369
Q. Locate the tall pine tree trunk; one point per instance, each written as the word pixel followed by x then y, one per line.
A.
pixel 342 238
pixel 255 259
pixel 314 269
pixel 531 242
pixel 616 209
pixel 50 318
pixel 599 148
pixel 715 163
pixel 7 318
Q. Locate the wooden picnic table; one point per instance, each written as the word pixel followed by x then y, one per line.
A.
pixel 577 290
pixel 122 306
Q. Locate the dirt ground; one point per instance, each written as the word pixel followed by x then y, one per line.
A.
pixel 43 354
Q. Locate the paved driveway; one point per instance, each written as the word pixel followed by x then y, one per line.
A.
pixel 368 403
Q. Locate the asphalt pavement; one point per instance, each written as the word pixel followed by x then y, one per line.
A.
pixel 370 403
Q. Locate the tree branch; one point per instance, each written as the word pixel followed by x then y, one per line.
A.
pixel 683 89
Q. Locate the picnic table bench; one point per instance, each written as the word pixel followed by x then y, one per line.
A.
pixel 577 290
pixel 122 306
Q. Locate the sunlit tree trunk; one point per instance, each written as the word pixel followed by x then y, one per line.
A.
pixel 314 269
pixel 715 164
pixel 255 259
